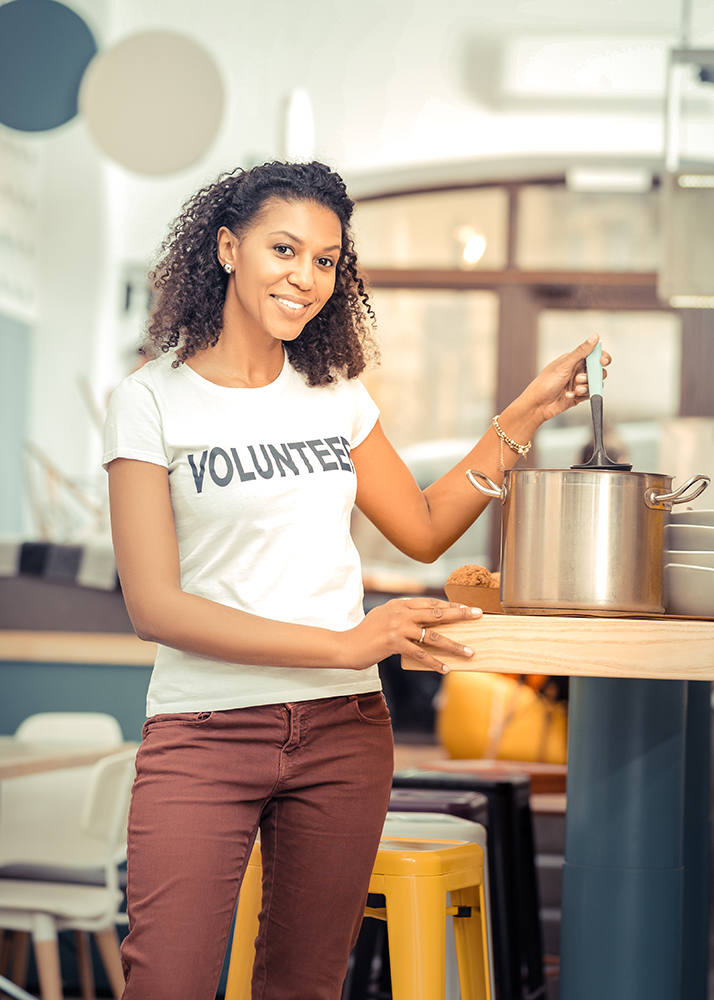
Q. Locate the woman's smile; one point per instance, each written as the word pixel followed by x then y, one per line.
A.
pixel 298 307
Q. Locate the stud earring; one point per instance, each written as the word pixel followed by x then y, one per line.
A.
pixel 227 268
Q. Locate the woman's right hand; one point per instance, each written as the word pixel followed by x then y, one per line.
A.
pixel 563 383
pixel 408 627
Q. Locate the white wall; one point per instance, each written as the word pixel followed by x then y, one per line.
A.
pixel 396 87
pixel 66 277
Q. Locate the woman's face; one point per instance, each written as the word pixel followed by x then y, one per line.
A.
pixel 283 268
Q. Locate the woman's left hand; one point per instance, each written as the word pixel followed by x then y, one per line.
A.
pixel 564 382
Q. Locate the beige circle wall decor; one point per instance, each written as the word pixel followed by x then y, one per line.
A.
pixel 153 102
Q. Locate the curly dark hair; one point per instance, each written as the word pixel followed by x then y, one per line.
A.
pixel 190 284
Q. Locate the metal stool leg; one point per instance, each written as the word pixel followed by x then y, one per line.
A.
pixel 471 938
pixel 416 924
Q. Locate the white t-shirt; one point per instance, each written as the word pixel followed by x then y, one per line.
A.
pixel 262 488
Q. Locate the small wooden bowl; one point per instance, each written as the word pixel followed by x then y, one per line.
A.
pixel 486 598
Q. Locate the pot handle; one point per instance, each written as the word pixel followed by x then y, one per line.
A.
pixel 657 500
pixel 490 489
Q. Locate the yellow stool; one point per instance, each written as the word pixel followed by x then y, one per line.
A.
pixel 415 877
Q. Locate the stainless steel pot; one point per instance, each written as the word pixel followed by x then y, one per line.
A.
pixel 583 540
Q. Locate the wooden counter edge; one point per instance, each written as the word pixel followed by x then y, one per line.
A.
pixel 119 648
pixel 589 647
pixel 73 757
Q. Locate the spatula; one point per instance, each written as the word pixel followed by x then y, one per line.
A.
pixel 599 458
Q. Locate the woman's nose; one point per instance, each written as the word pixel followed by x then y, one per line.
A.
pixel 301 274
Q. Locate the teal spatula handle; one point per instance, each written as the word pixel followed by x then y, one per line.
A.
pixel 594 370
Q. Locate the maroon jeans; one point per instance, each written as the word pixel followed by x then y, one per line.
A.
pixel 315 777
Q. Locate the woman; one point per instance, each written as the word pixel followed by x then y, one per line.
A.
pixel 234 459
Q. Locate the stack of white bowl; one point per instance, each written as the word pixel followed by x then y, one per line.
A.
pixel 689 563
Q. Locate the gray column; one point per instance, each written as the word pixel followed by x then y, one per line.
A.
pixel 697 840
pixel 623 873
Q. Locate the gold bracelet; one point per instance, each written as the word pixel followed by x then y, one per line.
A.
pixel 520 449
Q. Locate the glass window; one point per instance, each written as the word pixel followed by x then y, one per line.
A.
pixel 438 372
pixel 463 229
pixel 569 230
pixel 435 389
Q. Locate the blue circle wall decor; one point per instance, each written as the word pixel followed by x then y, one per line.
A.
pixel 44 50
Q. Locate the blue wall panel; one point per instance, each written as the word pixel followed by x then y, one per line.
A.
pixel 26 688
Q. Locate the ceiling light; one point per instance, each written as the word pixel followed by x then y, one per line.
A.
pixel 629 180
pixel 474 249
pixel 696 180
pixel 692 301
pixel 299 126
pixel 474 244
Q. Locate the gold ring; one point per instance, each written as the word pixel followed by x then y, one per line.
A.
pixel 423 633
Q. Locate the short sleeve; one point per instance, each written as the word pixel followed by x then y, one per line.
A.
pixel 133 427
pixel 366 413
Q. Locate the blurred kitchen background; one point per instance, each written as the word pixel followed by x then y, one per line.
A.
pixel 526 174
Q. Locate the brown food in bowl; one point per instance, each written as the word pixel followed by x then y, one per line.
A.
pixel 475 576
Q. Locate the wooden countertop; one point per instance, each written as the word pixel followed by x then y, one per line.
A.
pixel 667 648
pixel 679 649
pixel 122 648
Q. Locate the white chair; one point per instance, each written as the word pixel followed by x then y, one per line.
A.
pixel 96 728
pixel 44 908
pixel 29 844
pixel 41 837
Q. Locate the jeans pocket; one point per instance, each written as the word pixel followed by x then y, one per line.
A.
pixel 176 719
pixel 372 708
